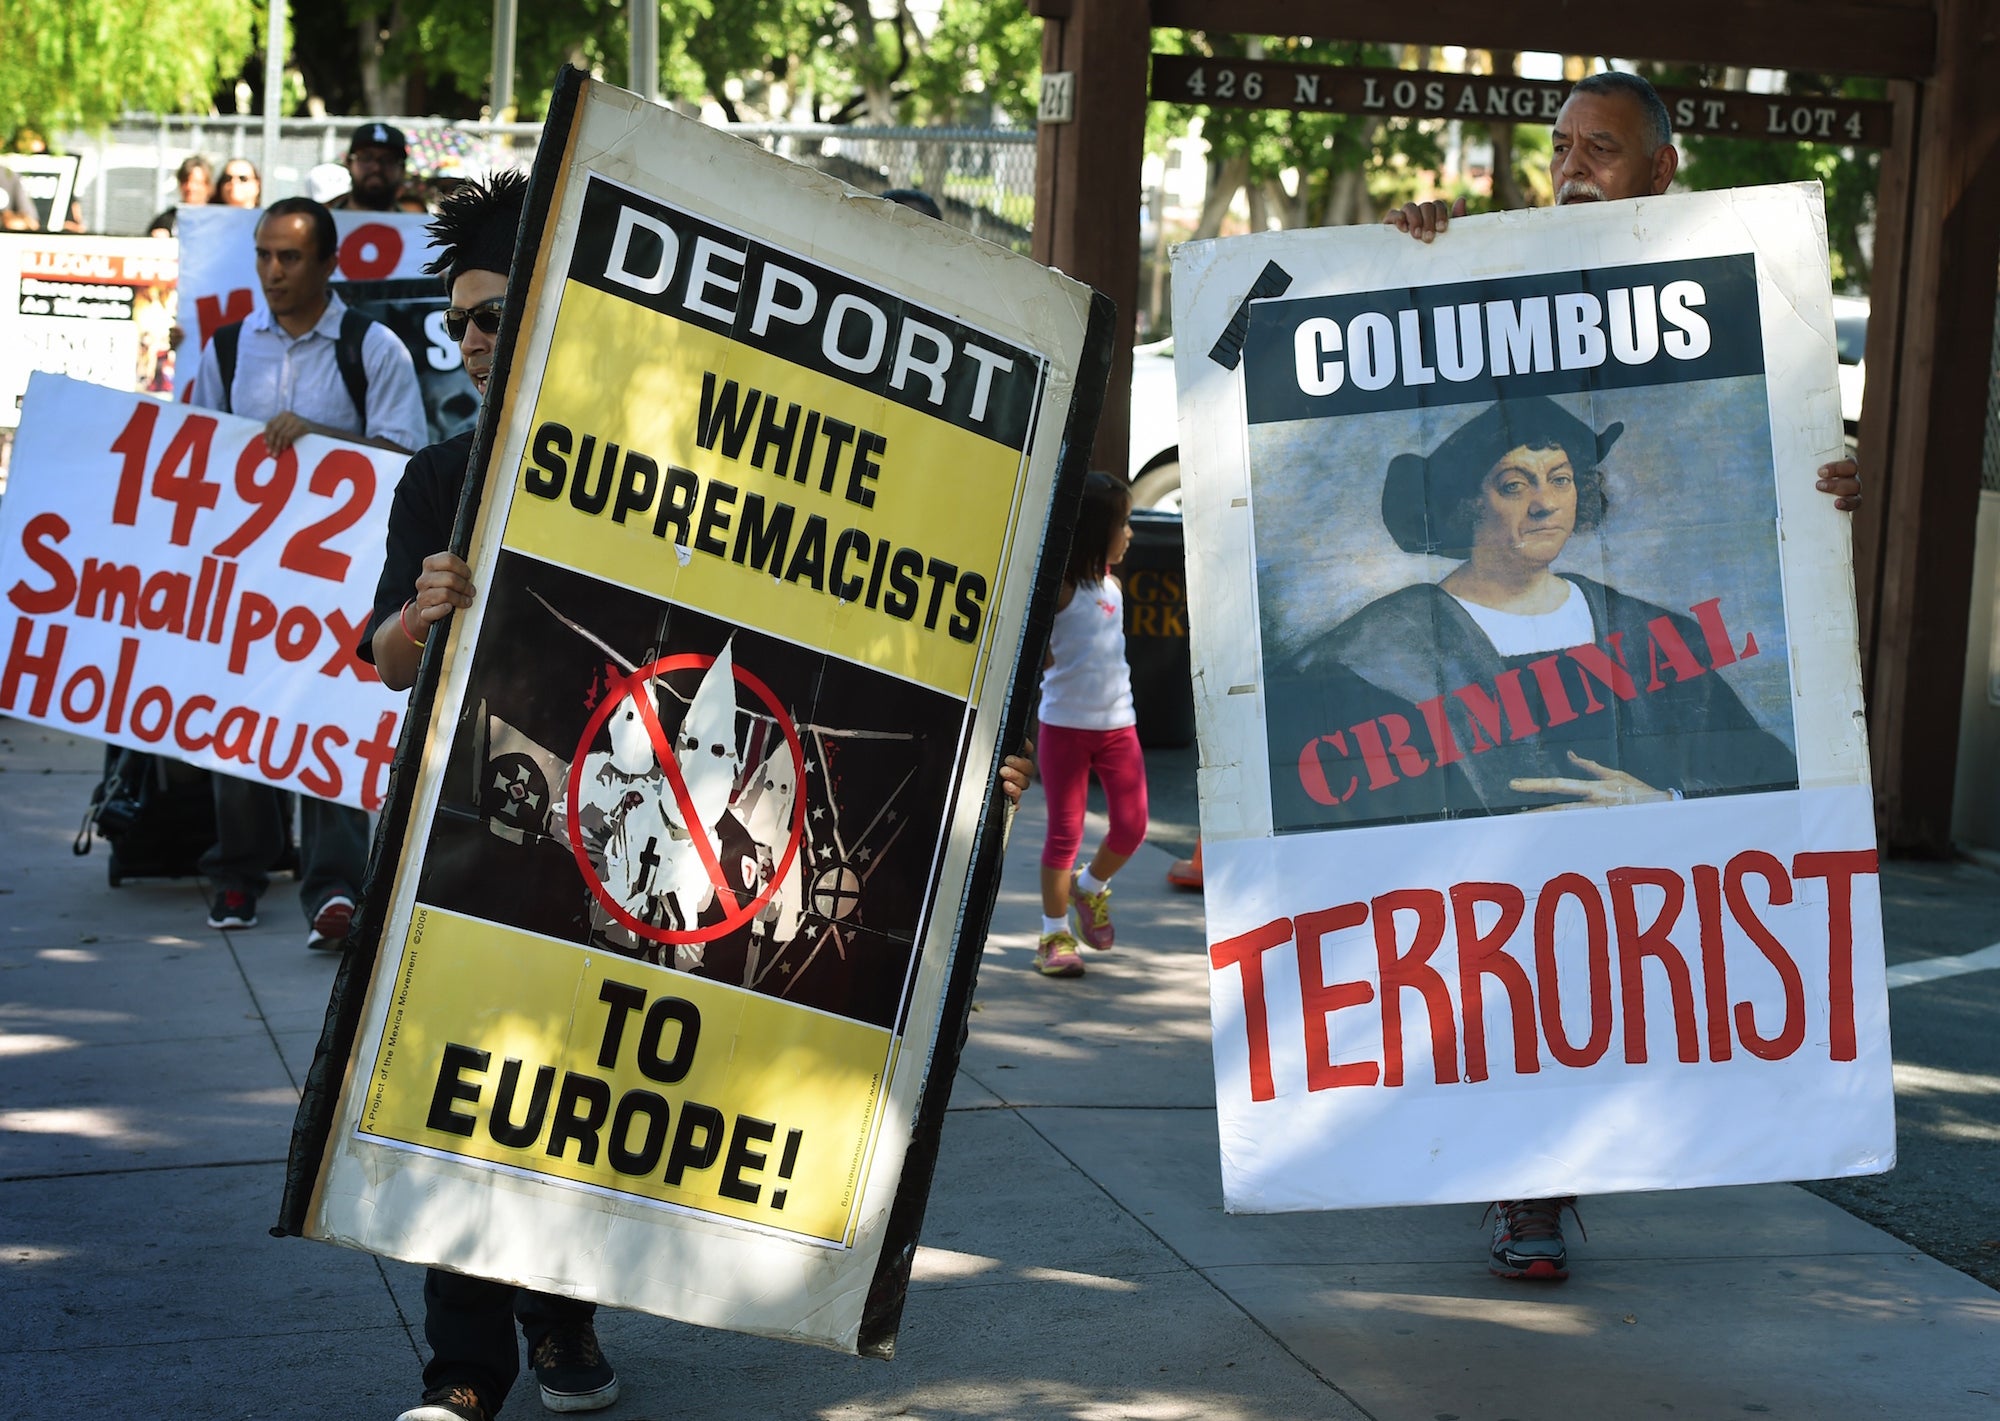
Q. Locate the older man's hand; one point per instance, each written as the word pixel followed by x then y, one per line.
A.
pixel 1424 220
pixel 1842 479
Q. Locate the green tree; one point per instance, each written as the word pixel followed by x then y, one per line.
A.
pixel 81 63
pixel 1849 176
pixel 1341 167
pixel 832 61
pixel 983 61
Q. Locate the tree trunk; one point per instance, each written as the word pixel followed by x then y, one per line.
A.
pixel 1225 180
pixel 1291 210
pixel 1340 198
pixel 1507 191
pixel 380 93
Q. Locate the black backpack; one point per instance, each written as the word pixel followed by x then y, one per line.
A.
pixel 157 815
pixel 346 353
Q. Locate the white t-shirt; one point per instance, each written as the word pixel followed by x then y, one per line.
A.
pixel 1518 634
pixel 1089 687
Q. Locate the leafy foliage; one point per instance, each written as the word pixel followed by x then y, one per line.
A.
pixel 1849 176
pixel 80 63
pixel 1315 149
pixel 984 61
pixel 817 60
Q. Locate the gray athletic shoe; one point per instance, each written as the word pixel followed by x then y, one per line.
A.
pixel 1528 1238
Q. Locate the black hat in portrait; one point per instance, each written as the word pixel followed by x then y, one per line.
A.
pixel 1428 502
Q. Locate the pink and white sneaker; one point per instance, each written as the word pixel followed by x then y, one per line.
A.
pixel 1093 915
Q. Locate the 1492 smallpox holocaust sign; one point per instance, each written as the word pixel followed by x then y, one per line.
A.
pixel 697 835
pixel 1540 859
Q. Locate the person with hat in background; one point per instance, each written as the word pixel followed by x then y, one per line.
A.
pixel 377 156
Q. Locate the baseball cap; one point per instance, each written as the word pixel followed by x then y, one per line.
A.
pixel 379 135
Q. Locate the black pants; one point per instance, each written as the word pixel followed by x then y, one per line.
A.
pixel 469 1323
pixel 251 819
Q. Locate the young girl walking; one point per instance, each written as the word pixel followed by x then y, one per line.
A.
pixel 1088 727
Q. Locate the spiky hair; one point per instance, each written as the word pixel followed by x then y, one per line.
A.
pixel 476 226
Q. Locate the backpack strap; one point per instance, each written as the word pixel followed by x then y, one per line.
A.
pixel 347 354
pixel 225 342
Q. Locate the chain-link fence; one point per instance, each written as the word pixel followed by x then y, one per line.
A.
pixel 983 179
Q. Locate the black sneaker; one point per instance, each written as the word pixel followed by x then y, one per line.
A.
pixel 232 909
pixel 447 1403
pixel 1528 1238
pixel 571 1368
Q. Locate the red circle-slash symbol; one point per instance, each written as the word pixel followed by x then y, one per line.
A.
pixel 734 915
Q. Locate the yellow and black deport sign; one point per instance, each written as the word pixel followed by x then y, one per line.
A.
pixel 775 442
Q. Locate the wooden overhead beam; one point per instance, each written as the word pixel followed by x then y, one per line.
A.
pixel 1896 39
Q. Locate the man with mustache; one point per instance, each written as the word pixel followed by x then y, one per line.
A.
pixel 1612 139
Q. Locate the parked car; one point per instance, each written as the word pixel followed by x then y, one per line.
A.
pixel 1155 468
pixel 1850 338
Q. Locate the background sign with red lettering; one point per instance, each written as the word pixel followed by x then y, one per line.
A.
pixel 169 586
pixel 98 308
pixel 381 271
pixel 689 872
pixel 1535 799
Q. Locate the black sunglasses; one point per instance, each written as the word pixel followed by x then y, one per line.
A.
pixel 486 315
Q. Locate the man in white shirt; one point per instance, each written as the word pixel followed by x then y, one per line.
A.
pixel 303 364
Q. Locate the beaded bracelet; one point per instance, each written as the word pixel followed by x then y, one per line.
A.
pixel 403 621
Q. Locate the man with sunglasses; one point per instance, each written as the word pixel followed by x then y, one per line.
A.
pixel 469 1322
pixel 302 363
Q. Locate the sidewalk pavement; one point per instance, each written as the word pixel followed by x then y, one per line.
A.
pixel 1076 1259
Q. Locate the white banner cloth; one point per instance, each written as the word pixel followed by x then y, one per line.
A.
pixel 170 587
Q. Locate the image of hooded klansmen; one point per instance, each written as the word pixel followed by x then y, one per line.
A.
pixel 644 833
pixel 642 778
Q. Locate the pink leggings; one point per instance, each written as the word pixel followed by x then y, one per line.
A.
pixel 1066 758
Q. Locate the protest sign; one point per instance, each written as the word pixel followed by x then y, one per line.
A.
pixel 49 179
pixel 1535 800
pixel 694 857
pixel 380 271
pixel 97 308
pixel 171 587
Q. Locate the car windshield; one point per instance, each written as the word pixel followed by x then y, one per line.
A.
pixel 1850 334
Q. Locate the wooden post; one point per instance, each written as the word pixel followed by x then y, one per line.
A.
pixel 1932 487
pixel 1879 410
pixel 1087 176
